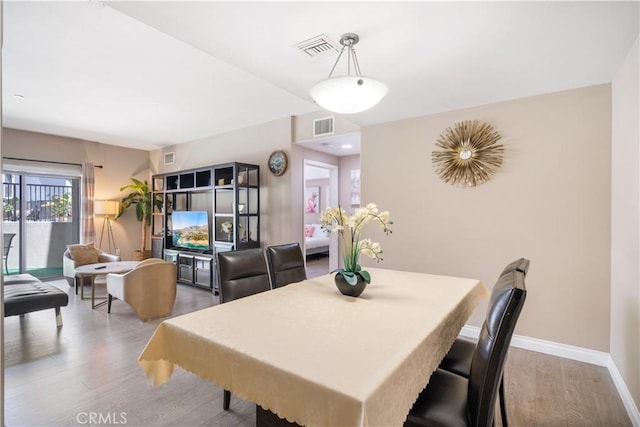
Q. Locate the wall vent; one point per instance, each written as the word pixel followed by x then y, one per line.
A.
pixel 169 158
pixel 323 127
pixel 318 45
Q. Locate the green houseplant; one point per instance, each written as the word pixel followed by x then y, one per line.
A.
pixel 144 202
pixel 60 207
pixel 352 279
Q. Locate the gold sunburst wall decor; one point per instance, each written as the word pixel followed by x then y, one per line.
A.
pixel 470 153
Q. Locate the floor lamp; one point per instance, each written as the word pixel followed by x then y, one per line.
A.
pixel 108 209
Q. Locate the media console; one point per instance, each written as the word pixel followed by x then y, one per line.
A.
pixel 196 269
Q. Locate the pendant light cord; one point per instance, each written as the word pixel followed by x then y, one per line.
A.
pixel 347 42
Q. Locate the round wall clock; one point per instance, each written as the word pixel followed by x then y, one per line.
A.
pixel 470 153
pixel 278 162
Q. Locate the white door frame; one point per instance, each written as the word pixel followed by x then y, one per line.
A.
pixel 332 200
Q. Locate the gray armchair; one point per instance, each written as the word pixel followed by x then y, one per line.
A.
pixel 69 266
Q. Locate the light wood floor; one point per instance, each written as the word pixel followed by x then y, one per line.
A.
pixel 57 377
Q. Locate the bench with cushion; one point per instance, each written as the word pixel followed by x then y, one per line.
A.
pixel 25 293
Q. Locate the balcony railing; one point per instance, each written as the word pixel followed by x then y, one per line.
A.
pixel 44 203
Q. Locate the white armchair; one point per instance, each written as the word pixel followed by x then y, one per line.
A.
pixel 150 288
pixel 69 266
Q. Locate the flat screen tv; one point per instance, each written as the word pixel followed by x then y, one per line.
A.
pixel 190 230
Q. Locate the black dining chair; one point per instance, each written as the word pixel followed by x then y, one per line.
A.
pixel 240 274
pixel 458 359
pixel 453 400
pixel 286 264
pixel 521 264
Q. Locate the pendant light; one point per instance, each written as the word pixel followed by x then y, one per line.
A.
pixel 351 93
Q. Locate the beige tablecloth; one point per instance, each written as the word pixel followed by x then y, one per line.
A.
pixel 314 356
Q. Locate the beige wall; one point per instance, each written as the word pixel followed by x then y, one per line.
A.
pixel 625 227
pixel 251 145
pixel 549 203
pixel 303 125
pixel 118 163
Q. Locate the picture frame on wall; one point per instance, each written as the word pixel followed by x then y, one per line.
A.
pixel 355 188
pixel 312 200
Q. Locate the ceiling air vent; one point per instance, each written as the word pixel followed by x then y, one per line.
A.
pixel 322 127
pixel 317 45
pixel 169 158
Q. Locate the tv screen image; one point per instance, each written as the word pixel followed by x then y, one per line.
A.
pixel 190 229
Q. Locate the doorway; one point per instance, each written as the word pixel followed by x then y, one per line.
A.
pixel 40 218
pixel 320 191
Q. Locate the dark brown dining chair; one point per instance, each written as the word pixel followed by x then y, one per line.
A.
pixel 521 264
pixel 240 274
pixel 458 359
pixel 453 400
pixel 286 264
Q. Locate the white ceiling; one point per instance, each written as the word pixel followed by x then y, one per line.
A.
pixel 155 73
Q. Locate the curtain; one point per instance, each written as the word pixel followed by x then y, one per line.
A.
pixel 88 229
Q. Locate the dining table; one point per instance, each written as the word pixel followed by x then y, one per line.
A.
pixel 310 355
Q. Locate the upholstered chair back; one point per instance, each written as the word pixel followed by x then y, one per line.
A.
pixel 150 288
pixel 487 364
pixel 521 264
pixel 241 273
pixel 149 261
pixel 286 264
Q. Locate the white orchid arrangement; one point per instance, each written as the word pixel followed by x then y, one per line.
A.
pixel 350 227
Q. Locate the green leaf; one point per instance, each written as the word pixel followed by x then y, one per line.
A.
pixel 365 276
pixel 144 202
pixel 350 277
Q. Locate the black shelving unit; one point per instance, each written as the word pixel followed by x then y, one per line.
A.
pixel 230 193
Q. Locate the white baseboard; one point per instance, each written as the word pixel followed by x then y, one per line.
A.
pixel 625 395
pixel 548 347
pixel 575 353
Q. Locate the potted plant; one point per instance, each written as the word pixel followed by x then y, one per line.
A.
pixel 352 279
pixel 144 202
